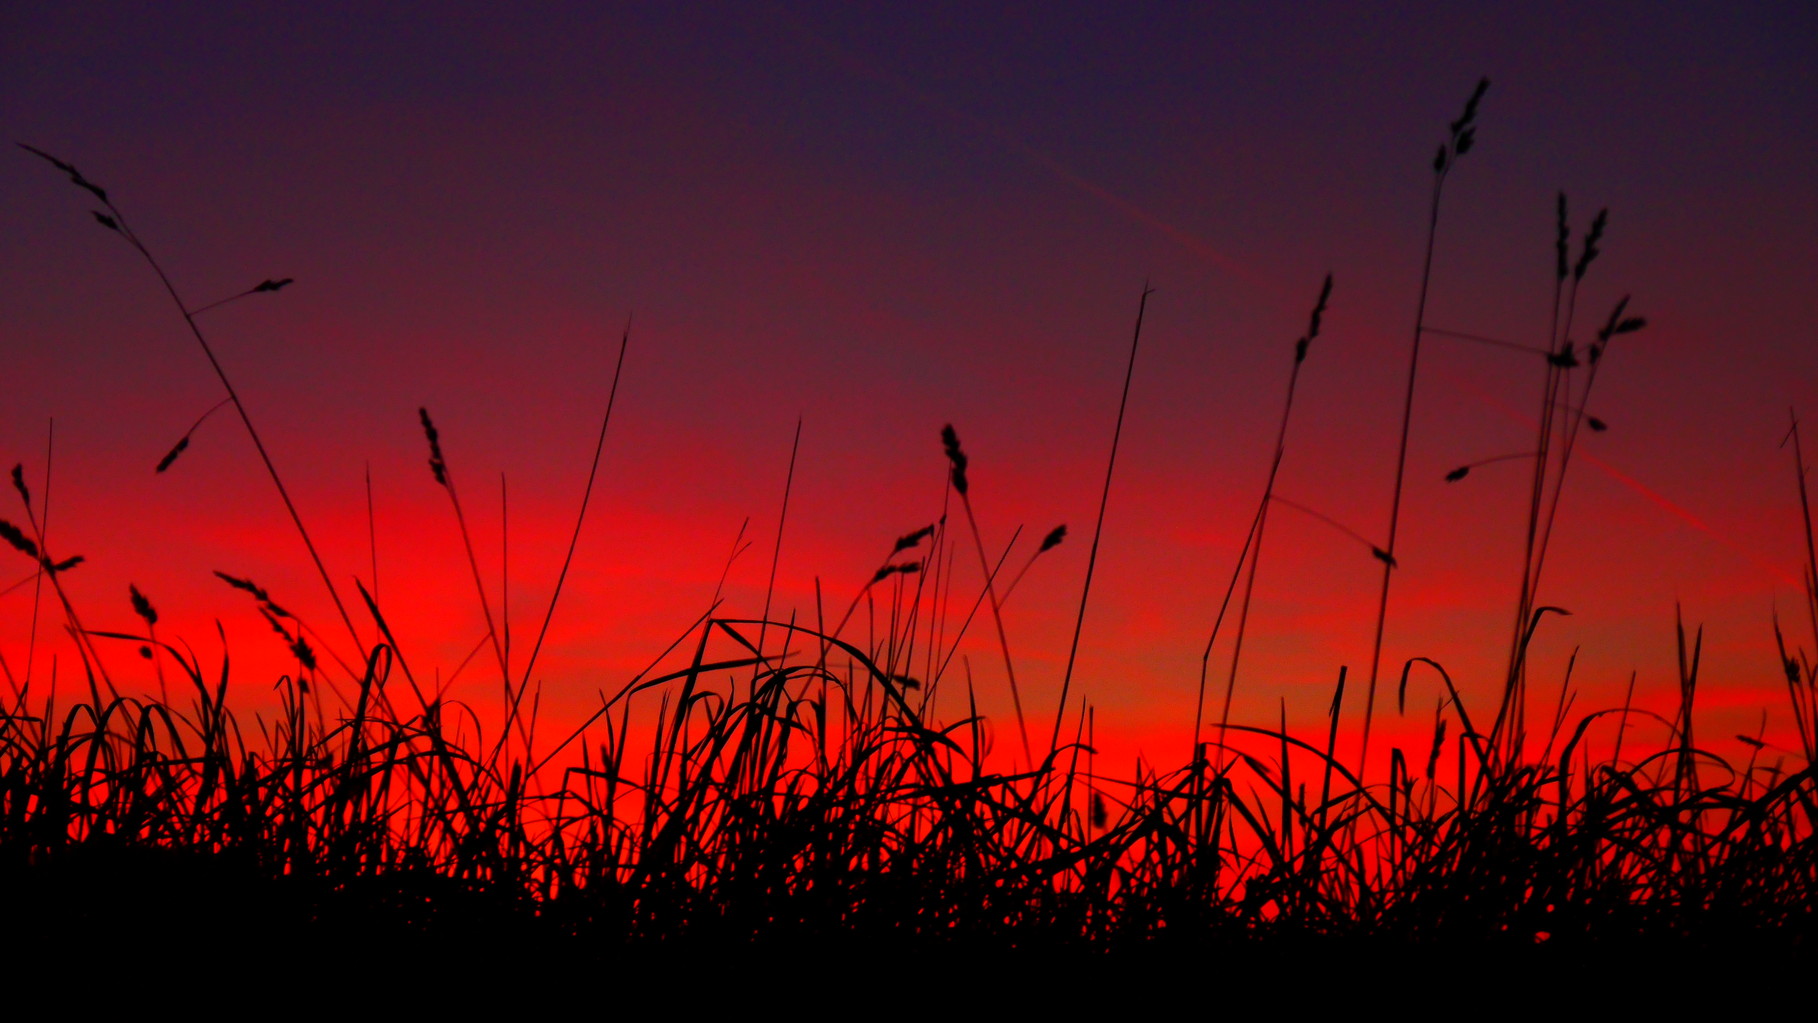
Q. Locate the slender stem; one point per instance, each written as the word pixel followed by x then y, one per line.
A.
pixel 1261 523
pixel 1205 660
pixel 1401 467
pixel 776 552
pixel 505 576
pixel 997 616
pixel 1805 514
pixel 31 648
pixel 1104 498
pixel 372 533
pixel 586 495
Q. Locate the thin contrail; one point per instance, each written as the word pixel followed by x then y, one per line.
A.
pixel 876 72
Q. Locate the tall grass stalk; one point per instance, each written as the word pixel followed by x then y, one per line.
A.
pixel 1463 135
pixel 1098 528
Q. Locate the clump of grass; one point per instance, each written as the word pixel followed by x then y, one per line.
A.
pixel 826 803
pixel 823 806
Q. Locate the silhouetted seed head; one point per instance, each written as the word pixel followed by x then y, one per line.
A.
pixel 305 655
pixel 59 164
pixel 1457 474
pixel 1439 161
pixel 298 646
pixel 247 585
pixel 1319 311
pixel 1383 556
pixel 1745 740
pixel 75 176
pixel 1099 816
pixel 1792 671
pixel 14 535
pixel 1439 743
pixel 1609 327
pixel 106 221
pixel 145 652
pixel 911 540
pixel 270 285
pixel 1597 425
pixel 1565 358
pixel 950 441
pixel 19 485
pixel 1470 110
pixel 1053 539
pixel 171 455
pixel 1319 307
pixel 141 606
pixel 907 681
pixel 1462 144
pixel 93 189
pixel 1562 242
pixel 436 464
pixel 1590 244
pixel 63 566
pixel 907 568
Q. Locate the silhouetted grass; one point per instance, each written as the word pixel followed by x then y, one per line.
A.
pixel 809 795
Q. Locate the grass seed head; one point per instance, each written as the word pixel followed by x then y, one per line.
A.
pixel 437 465
pixel 1591 239
pixel 141 606
pixel 16 537
pixel 171 455
pixel 955 456
pixel 1319 308
pixel 911 540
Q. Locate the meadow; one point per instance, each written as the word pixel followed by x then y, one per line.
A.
pixel 829 786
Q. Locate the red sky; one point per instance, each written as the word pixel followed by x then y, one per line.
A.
pixel 883 222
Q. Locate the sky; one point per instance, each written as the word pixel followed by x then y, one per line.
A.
pixel 877 220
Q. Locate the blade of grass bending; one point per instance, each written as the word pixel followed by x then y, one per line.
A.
pixel 586 495
pixel 1098 529
pixel 776 552
pixel 31 648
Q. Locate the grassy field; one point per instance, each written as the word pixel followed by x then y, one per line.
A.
pixel 796 786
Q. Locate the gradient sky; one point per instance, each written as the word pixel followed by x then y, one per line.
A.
pixel 884 219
